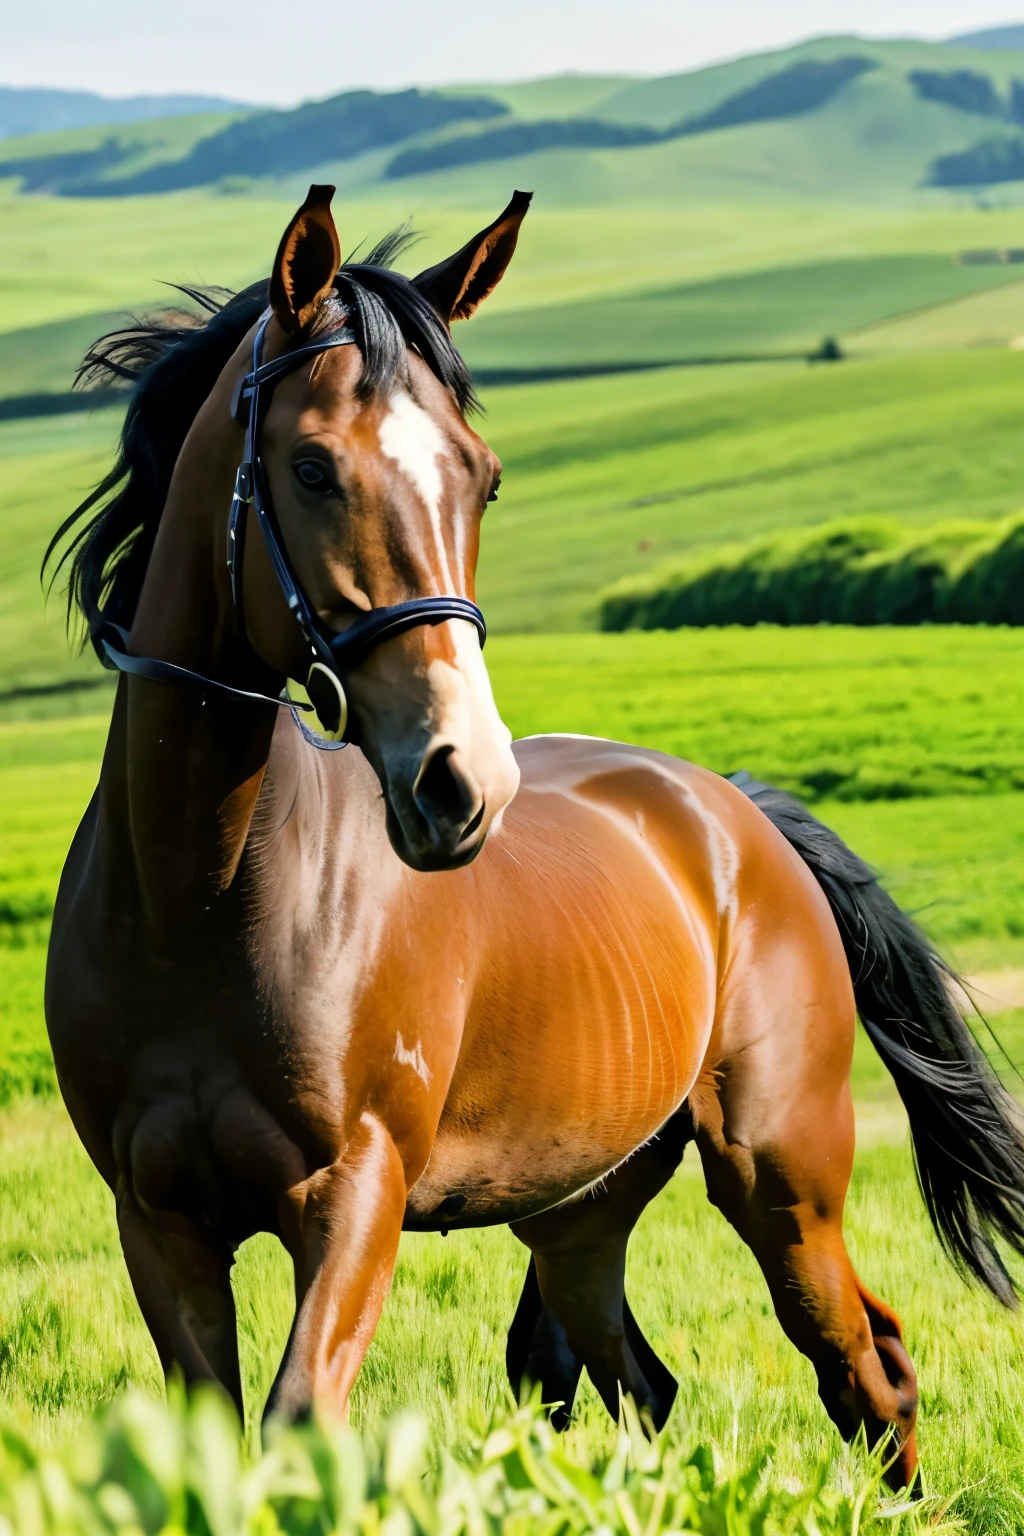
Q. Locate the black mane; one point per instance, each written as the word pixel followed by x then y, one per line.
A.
pixel 173 360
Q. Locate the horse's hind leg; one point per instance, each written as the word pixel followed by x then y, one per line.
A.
pixel 573 1311
pixel 182 1282
pixel 775 1133
pixel 538 1351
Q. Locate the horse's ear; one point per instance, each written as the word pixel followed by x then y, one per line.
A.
pixel 307 262
pixel 457 286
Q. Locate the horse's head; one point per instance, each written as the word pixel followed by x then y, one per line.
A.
pixel 378 484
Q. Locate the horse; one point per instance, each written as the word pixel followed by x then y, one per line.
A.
pixel 384 969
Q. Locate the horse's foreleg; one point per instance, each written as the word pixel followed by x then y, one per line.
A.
pixel 182 1282
pixel 342 1229
pixel 575 1290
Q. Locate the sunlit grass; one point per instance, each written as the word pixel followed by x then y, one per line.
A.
pixel 70 1332
pixel 71 1335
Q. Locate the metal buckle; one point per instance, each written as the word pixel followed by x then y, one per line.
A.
pixel 244 484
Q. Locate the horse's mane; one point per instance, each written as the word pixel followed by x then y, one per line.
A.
pixel 172 360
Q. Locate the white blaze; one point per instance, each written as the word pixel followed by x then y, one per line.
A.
pixel 413 441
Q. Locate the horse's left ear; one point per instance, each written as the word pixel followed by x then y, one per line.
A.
pixel 456 287
pixel 307 262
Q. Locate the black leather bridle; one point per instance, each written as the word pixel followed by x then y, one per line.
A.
pixel 334 654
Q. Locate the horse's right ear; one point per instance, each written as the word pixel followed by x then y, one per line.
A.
pixel 457 286
pixel 307 262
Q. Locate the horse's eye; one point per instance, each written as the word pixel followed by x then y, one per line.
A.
pixel 313 477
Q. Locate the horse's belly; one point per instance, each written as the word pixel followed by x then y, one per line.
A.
pixel 589 1020
pixel 554 1122
pixel 480 1187
pixel 520 1152
pixel 582 1057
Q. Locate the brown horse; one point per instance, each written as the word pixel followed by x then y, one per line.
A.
pixel 433 980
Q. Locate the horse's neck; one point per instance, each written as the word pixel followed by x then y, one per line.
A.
pixel 184 768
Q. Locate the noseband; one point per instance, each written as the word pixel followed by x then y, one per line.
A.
pixel 333 654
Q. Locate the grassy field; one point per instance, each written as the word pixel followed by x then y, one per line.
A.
pixel 897 724
pixel 609 476
pixel 679 281
pixel 71 1335
pixel 785 310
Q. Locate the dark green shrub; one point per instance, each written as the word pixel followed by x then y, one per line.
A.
pixel 990 587
pixel 854 571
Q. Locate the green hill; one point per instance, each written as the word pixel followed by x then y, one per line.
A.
pixel 58 162
pixel 611 476
pixel 842 116
pixel 1000 38
pixel 734 239
pixel 257 145
pixel 33 109
pixel 784 310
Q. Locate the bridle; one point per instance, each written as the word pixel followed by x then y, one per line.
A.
pixel 334 654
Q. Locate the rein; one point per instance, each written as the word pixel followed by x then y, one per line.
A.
pixel 334 654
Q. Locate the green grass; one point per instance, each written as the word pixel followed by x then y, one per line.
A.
pixel 82 259
pixel 71 1336
pixel 826 712
pixel 181 1466
pixel 778 311
pixel 47 773
pixel 46 466
pixel 45 358
pixel 610 476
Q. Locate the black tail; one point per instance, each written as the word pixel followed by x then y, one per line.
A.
pixel 967 1131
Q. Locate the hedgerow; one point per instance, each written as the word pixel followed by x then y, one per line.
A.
pixel 851 571
pixel 150 1469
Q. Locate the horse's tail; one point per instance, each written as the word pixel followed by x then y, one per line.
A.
pixel 967 1131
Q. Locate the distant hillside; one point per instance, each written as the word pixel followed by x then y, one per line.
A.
pixel 32 109
pixel 263 144
pixel 846 118
pixel 993 160
pixel 999 39
pixel 789 92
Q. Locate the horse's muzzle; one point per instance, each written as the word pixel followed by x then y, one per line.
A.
pixel 443 822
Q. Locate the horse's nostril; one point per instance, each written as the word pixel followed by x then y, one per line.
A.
pixel 447 793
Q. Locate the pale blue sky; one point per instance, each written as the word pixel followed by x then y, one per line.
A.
pixel 270 50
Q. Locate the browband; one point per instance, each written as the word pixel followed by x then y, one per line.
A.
pixel 269 373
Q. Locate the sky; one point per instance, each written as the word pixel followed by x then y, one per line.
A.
pixel 276 52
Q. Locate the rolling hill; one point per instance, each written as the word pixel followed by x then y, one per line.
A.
pixel 36 109
pixel 999 38
pixel 842 116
